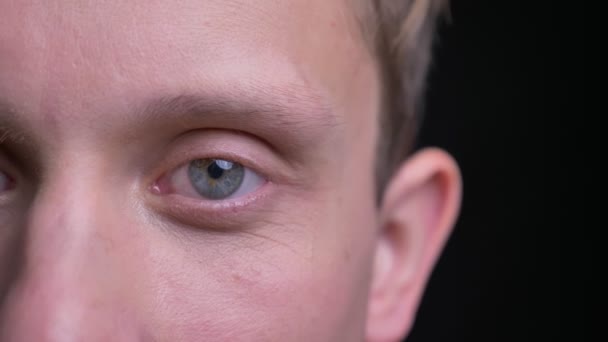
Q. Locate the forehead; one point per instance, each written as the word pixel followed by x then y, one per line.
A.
pixel 85 58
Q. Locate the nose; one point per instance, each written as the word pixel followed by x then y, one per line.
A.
pixel 69 284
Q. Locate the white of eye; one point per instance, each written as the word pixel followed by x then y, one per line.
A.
pixel 251 182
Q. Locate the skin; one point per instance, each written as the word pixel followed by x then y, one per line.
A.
pixel 102 103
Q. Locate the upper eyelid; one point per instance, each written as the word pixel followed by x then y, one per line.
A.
pixel 232 157
pixel 220 144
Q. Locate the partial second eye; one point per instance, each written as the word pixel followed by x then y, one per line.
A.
pixel 212 179
pixel 5 182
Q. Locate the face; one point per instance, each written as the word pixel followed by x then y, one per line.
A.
pixel 201 172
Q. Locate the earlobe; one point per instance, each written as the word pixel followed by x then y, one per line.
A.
pixel 419 209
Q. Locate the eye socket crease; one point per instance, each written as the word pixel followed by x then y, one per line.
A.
pixel 291 118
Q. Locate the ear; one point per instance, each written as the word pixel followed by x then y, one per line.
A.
pixel 419 209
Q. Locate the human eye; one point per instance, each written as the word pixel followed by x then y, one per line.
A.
pixel 216 179
pixel 211 179
pixel 6 182
pixel 7 179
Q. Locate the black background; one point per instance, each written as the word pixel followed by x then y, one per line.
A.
pixel 501 83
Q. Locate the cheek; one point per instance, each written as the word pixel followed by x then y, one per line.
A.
pixel 302 279
pixel 219 295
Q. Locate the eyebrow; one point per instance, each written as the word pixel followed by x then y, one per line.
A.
pixel 273 111
pixel 291 116
pixel 10 131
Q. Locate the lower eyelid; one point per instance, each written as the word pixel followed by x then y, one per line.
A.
pixel 231 214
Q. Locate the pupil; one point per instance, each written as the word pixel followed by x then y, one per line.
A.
pixel 215 171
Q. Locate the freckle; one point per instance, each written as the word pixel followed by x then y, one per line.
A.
pixel 347 255
pixel 237 278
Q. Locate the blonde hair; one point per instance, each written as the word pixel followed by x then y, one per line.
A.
pixel 400 34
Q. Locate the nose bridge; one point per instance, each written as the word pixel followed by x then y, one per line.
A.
pixel 63 291
pixel 64 223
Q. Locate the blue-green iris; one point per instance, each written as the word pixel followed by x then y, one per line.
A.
pixel 215 178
